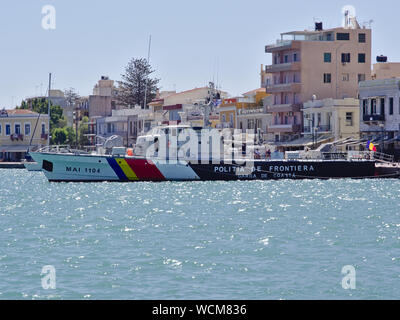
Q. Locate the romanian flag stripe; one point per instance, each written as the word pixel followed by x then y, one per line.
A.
pixel 127 169
pixel 145 170
pixel 114 164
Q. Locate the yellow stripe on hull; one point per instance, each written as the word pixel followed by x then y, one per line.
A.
pixel 127 169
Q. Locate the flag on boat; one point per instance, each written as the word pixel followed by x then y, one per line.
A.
pixel 371 146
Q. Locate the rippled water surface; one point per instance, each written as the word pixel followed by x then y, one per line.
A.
pixel 199 240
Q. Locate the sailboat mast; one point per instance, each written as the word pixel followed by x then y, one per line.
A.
pixel 48 111
pixel 147 78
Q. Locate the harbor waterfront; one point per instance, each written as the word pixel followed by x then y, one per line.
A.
pixel 276 239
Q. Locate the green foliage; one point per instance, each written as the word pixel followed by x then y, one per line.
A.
pixel 83 129
pixel 59 136
pixel 132 88
pixel 70 136
pixel 40 105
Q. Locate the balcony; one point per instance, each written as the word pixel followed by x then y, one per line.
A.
pixel 321 128
pixel 284 87
pixel 288 128
pixel 373 117
pixel 284 108
pixel 246 111
pixel 279 67
pixel 17 137
pixel 283 45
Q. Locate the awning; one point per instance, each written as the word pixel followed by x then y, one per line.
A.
pixel 14 148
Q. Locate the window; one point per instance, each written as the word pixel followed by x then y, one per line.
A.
pixel 327 57
pixel 365 106
pixel 0 128
pixel 345 57
pixel 382 106
pixel 345 77
pixel 27 129
pixel 361 58
pixel 373 106
pixel 17 128
pixel 361 77
pixel 286 58
pixel 231 119
pixel 327 78
pixel 343 36
pixel 361 37
pixel 391 105
pixel 295 56
pixel 349 118
pixel 43 128
pixel 8 129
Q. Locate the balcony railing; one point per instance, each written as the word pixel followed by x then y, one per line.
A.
pixel 284 128
pixel 251 111
pixel 278 67
pixel 296 107
pixel 17 137
pixel 278 44
pixel 373 117
pixel 284 87
pixel 321 128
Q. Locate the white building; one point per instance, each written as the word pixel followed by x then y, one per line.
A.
pixel 380 113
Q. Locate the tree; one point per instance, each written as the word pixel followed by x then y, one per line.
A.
pixel 58 136
pixel 70 136
pixel 83 130
pixel 71 96
pixel 133 86
pixel 40 105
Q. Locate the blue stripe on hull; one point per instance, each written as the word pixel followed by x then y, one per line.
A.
pixel 113 163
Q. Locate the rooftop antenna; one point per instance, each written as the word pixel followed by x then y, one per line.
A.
pixel 349 19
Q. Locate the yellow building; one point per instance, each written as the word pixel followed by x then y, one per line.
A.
pixel 231 107
pixel 21 130
pixel 334 118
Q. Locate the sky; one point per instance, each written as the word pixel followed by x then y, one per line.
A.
pixel 193 42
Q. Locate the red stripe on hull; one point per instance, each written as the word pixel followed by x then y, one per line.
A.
pixel 145 170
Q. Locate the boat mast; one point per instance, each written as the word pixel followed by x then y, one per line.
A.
pixel 147 78
pixel 48 111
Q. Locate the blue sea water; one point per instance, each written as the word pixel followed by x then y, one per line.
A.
pixel 199 240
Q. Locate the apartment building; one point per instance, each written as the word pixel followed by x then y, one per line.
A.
pixel 315 64
pixel 21 130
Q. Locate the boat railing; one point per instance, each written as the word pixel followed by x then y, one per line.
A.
pixel 383 157
pixel 61 149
